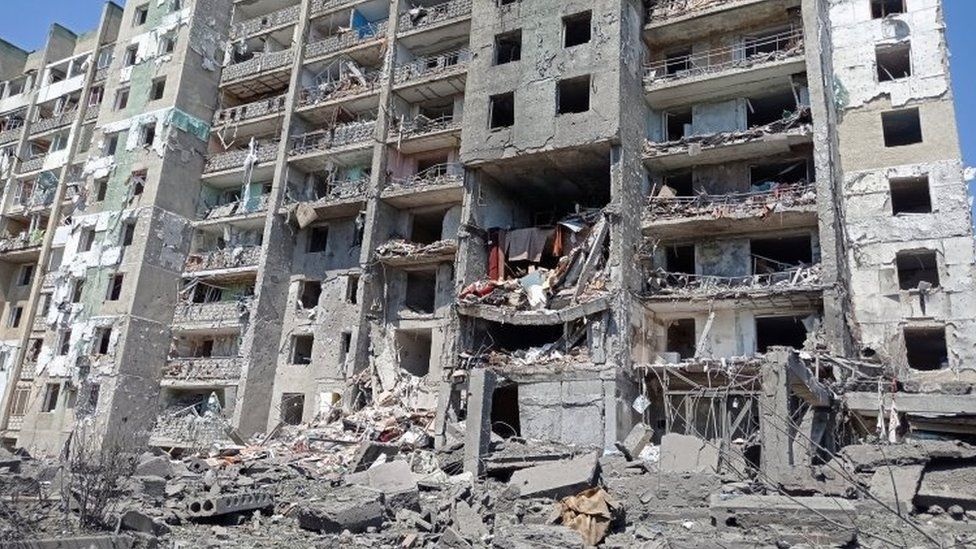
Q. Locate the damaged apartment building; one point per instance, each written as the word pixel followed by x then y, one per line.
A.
pixel 554 220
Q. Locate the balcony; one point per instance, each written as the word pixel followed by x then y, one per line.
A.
pixel 789 285
pixel 250 112
pixel 202 369
pixel 234 160
pixel 440 184
pixel 342 138
pixel 724 71
pixel 101 74
pixel 25 241
pixel 210 314
pixel 442 65
pixel 405 254
pixel 427 17
pixel 341 199
pixel 339 42
pixel 33 164
pixel 265 23
pixel 54 122
pixel 786 205
pixel 12 133
pixel 271 67
pixel 226 258
pixel 91 112
pixel 185 427
pixel 238 208
pixel 339 90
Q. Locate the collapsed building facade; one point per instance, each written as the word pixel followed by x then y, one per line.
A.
pixel 549 220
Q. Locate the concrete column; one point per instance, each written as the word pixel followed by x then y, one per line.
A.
pixel 477 432
pixel 774 413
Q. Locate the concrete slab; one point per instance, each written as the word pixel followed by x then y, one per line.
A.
pixel 688 454
pixel 557 480
pixel 897 486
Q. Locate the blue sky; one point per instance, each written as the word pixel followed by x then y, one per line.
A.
pixel 25 23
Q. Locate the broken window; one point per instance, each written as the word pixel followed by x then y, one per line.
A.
pixel 64 343
pixel 86 240
pixel 421 291
pixel 770 108
pixel 103 337
pixel 51 393
pixel 77 288
pixel 505 414
pixel 680 183
pixel 573 95
pixel 925 348
pixel 681 337
pixel 677 61
pixel 131 56
pixel 901 128
pixel 680 259
pixel 508 47
pixel 775 255
pixel 167 43
pixel 26 275
pixel 147 134
pixel 121 99
pixel 501 110
pixel 158 89
pixel 16 313
pixel 114 287
pixel 783 172
pixel 318 239
pixel 34 349
pixel 141 15
pixel 780 331
pixel 893 62
pixel 576 29
pixel 309 292
pixel 137 180
pixel 766 42
pixel 426 227
pixel 352 289
pixel 910 195
pixel 884 8
pixel 128 232
pixel 917 267
pixel 413 350
pixel 345 343
pixel 111 144
pixel 292 408
pixel 101 187
pixel 301 349
pixel 21 398
pixel 677 124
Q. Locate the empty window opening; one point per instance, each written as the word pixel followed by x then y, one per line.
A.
pixel 301 349
pixel 352 289
pixel 345 344
pixel 87 239
pixel 34 349
pixel 413 348
pixel 577 29
pixel 505 417
pixel 901 128
pixel 884 8
pixel 167 44
pixel 103 337
pixel 775 255
pixel 51 393
pixel 141 15
pixel 678 125
pixel 128 232
pixel 64 344
pixel 292 408
pixel 131 56
pixel 421 292
pixel 147 135
pixel 204 293
pixel 681 338
pixel 917 267
pixel 26 275
pixel 115 287
pixel 203 348
pixel 770 108
pixel 427 227
pixel 780 331
pixel 16 314
pixel 925 348
pixel 680 183
pixel 78 287
pixel 784 172
pixel 893 62
pixel 573 95
pixel 309 292
pixel 508 47
pixel 318 239
pixel 680 259
pixel 158 89
pixel 101 187
pixel 121 99
pixel 501 110
pixel 677 62
pixel 766 42
pixel 111 144
pixel 21 398
pixel 910 195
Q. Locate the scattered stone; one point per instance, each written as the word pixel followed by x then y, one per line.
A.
pixel 469 522
pixel 451 539
pixel 636 441
pixel 141 522
pixel 556 480
pixel 151 465
pixel 351 508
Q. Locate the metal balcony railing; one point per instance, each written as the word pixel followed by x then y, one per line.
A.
pixel 272 20
pixel 203 368
pixel 217 312
pixel 333 138
pixel 261 62
pixel 12 133
pixel 660 10
pixel 421 125
pixel 420 17
pixel 348 39
pixel 91 112
pixel 54 122
pixel 760 202
pixel 250 111
pixel 447 62
pixel 227 258
pixel 32 164
pixel 238 207
pixel 331 91
pixel 263 152
pixel 748 53
pixel 804 277
pixel 434 176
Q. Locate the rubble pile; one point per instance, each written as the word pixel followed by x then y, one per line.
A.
pixel 399 248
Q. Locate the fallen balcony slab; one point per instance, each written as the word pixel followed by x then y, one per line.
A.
pixel 222 505
pixel 504 315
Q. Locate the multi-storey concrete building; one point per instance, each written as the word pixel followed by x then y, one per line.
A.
pixel 553 219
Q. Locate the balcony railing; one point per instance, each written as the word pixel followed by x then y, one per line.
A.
pixel 332 91
pixel 420 17
pixel 250 111
pixel 435 176
pixel 348 39
pixel 188 428
pixel 12 133
pixel 33 164
pixel 227 258
pixel 751 52
pixel 218 312
pixel 806 277
pixel 91 112
pixel 261 62
pixel 425 67
pixel 263 152
pixel 660 10
pixel 23 241
pixel 238 207
pixel 339 136
pixel 102 72
pixel 272 20
pixel 758 202
pixel 421 125
pixel 54 122
pixel 339 190
pixel 203 368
